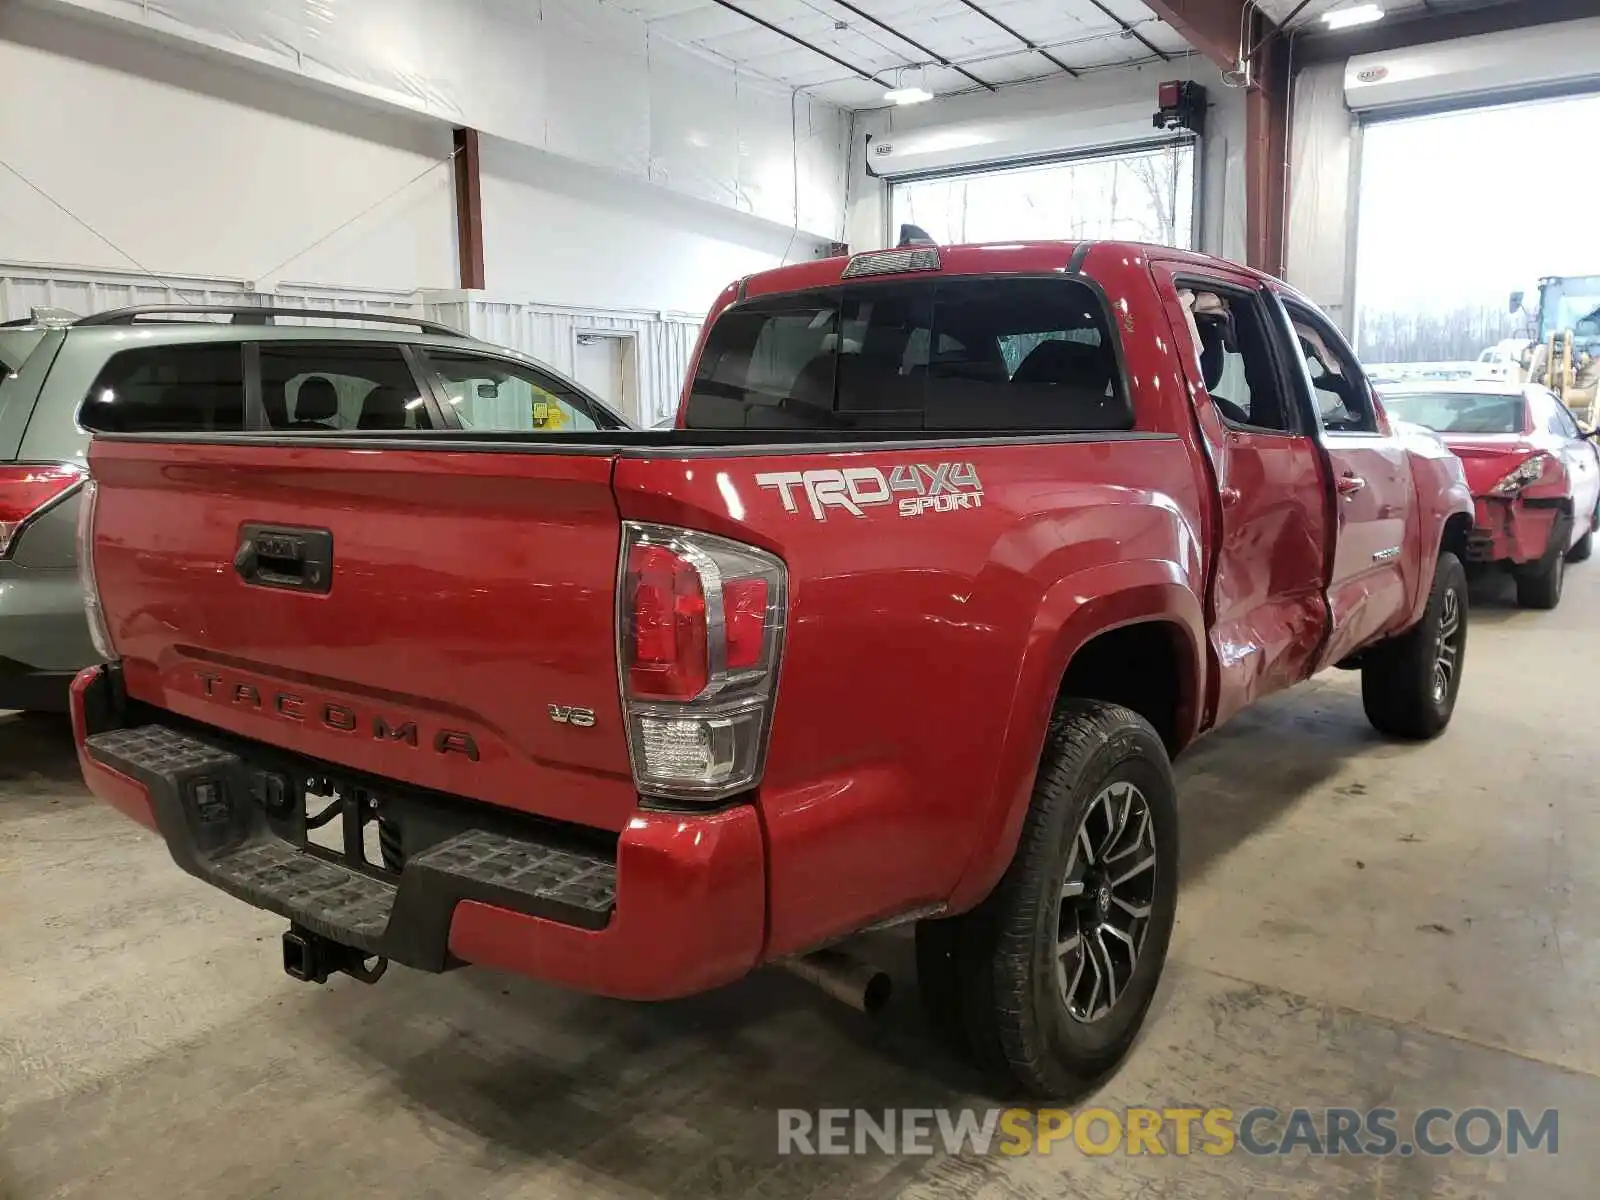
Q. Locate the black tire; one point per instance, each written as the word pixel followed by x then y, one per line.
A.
pixel 1539 585
pixel 990 978
pixel 1399 685
pixel 1584 546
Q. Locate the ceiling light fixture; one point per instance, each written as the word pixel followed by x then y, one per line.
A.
pixel 1356 14
pixel 908 95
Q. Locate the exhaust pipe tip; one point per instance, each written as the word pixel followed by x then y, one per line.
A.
pixel 848 979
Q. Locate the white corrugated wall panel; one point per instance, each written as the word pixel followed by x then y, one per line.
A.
pixel 664 342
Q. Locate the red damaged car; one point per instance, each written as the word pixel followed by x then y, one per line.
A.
pixel 1535 476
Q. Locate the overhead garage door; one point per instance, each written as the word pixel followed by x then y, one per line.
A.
pixel 1143 194
pixel 1428 183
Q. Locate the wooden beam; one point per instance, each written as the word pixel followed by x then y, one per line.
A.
pixel 469 209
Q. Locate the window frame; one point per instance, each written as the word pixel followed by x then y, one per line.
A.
pixel 440 398
pixel 1306 422
pixel 847 288
pixel 1295 309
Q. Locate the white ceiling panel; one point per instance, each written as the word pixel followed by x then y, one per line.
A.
pixel 1085 35
pixel 1081 34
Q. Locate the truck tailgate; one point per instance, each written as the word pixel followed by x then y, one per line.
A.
pixel 468 594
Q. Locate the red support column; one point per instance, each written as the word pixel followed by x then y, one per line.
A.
pixel 1266 159
pixel 1222 30
pixel 469 209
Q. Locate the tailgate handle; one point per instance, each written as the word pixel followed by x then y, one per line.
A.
pixel 279 556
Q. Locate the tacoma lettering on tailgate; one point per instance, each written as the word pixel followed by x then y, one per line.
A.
pixel 340 718
pixel 917 488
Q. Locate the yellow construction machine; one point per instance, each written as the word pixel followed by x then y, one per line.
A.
pixel 1565 354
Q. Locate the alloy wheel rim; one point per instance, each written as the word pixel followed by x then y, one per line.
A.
pixel 1107 894
pixel 1447 650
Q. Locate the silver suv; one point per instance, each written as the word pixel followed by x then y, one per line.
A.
pixel 180 369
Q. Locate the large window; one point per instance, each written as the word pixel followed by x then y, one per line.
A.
pixel 1136 195
pixel 327 387
pixel 169 389
pixel 962 354
pixel 495 394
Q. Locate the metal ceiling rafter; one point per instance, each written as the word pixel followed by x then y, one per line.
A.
pixel 910 41
pixel 860 72
pixel 1026 41
pixel 1129 31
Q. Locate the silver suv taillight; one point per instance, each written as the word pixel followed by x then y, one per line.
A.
pixel 98 633
pixel 700 633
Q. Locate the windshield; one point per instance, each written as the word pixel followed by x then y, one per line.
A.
pixel 1572 304
pixel 1459 412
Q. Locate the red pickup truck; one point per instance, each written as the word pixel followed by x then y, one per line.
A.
pixel 951 550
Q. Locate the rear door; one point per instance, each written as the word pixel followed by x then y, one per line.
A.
pixel 1269 611
pixel 1372 576
pixel 1577 454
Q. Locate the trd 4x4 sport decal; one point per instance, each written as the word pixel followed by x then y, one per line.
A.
pixel 916 489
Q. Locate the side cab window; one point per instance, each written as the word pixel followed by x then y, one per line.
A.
pixel 500 395
pixel 1232 351
pixel 1343 397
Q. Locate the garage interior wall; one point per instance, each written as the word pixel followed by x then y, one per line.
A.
pixel 278 149
pixel 1319 233
pixel 1094 111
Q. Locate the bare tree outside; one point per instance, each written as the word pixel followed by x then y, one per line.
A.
pixel 1144 195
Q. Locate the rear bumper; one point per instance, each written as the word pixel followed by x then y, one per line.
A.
pixel 679 907
pixel 1517 532
pixel 32 690
pixel 44 637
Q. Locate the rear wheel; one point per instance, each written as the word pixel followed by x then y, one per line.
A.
pixel 1049 979
pixel 1539 585
pixel 1584 546
pixel 1409 684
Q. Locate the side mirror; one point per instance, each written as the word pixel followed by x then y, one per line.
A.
pixel 1516 302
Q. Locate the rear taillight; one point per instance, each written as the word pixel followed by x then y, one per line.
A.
pixel 701 630
pixel 1530 471
pixel 98 633
pixel 667 602
pixel 27 489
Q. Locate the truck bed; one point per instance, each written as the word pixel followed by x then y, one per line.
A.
pixel 473 592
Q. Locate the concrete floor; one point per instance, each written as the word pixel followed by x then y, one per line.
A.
pixel 1361 924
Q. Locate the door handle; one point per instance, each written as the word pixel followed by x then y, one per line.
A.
pixel 284 557
pixel 1349 485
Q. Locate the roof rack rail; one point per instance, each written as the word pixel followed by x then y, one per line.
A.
pixel 43 315
pixel 251 314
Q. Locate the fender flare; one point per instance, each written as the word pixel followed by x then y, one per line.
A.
pixel 1455 500
pixel 1076 609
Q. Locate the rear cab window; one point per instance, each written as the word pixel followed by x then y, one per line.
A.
pixel 956 354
